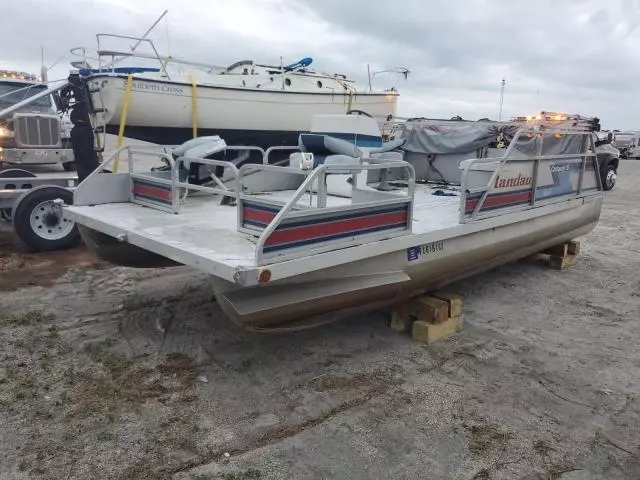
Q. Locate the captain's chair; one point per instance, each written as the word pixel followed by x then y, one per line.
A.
pixel 329 150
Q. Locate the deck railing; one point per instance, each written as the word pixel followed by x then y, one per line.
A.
pixel 289 229
pixel 284 227
pixel 530 174
pixel 169 190
pixel 117 55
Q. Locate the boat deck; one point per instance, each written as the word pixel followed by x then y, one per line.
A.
pixel 209 231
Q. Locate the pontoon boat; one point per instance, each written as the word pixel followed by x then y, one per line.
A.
pixel 341 228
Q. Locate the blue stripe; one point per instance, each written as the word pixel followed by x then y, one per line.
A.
pixel 359 139
pixel 85 72
pixel 544 194
pixel 254 223
pixel 331 237
pixel 263 208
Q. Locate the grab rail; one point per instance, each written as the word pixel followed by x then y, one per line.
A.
pixel 472 209
pixel 281 148
pixel 129 54
pixel 175 184
pixel 162 60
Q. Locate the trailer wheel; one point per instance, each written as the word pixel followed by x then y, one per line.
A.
pixel 39 222
pixel 5 213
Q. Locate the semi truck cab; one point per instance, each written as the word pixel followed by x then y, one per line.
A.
pixel 35 134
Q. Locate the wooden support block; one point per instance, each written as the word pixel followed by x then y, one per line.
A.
pixel 401 322
pixel 560 263
pixel 454 300
pixel 432 332
pixel 407 308
pixel 557 250
pixel 573 248
pixel 433 310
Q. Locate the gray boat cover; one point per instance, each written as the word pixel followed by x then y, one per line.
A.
pixel 452 137
pixel 463 137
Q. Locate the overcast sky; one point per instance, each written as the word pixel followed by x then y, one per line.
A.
pixel 579 56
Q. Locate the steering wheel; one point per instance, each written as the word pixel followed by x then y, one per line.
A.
pixel 359 112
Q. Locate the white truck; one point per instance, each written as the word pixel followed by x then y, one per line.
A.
pixel 35 134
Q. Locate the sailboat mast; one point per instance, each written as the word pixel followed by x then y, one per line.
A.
pixel 149 30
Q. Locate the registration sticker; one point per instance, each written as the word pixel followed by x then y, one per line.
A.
pixel 428 249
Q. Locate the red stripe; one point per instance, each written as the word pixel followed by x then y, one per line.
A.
pixel 257 215
pixel 306 232
pixel 500 200
pixel 151 191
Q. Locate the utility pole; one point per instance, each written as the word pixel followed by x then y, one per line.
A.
pixel 43 70
pixel 501 99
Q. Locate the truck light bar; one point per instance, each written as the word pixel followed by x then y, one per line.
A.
pixel 10 74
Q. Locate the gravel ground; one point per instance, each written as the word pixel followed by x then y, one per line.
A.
pixel 114 373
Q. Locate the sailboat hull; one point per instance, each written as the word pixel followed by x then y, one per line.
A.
pixel 161 111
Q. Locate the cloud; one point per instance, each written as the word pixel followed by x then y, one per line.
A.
pixel 577 55
pixel 580 56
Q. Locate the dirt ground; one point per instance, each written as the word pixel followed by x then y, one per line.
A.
pixel 114 373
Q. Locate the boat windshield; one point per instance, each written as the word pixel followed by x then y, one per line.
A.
pixel 14 92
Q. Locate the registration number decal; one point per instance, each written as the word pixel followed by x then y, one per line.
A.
pixel 428 249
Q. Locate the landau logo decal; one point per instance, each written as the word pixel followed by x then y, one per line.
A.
pixel 519 181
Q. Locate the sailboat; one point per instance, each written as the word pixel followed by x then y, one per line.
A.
pixel 247 103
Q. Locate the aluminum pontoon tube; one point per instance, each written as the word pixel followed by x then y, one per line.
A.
pixel 333 294
pixel 123 254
